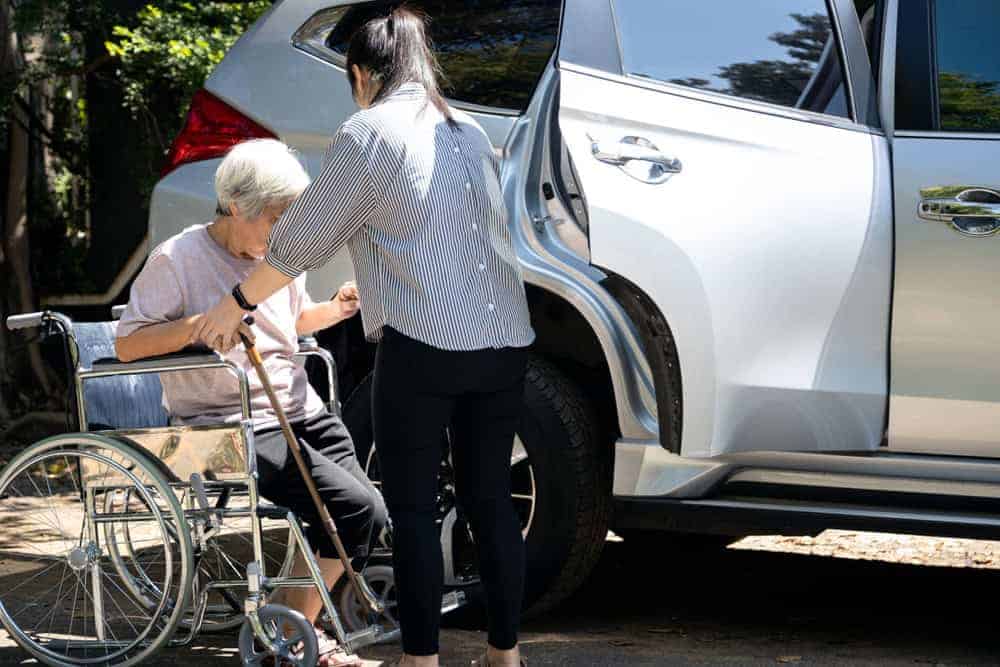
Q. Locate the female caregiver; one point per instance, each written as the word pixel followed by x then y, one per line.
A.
pixel 411 186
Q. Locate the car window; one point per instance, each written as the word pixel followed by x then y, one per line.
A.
pixel 779 51
pixel 491 52
pixel 967 55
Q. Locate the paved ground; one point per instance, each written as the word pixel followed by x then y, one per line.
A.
pixel 761 601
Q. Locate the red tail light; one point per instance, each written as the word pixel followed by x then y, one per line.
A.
pixel 212 128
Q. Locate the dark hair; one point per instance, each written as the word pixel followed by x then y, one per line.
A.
pixel 393 46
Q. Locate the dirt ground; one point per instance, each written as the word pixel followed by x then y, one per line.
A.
pixel 840 598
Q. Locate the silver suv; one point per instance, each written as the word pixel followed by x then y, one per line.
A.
pixel 758 239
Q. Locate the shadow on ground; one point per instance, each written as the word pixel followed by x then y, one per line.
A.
pixel 687 601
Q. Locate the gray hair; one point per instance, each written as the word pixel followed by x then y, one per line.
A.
pixel 256 174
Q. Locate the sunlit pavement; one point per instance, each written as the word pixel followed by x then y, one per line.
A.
pixel 841 598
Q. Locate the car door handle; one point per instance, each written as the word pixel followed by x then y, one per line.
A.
pixel 658 166
pixel 971 211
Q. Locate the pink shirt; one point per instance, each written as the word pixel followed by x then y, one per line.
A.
pixel 188 274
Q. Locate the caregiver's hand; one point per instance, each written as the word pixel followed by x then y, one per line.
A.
pixel 218 327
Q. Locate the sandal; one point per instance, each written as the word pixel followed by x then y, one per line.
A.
pixel 332 655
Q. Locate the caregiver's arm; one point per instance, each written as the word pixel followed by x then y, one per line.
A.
pixel 217 328
pixel 314 227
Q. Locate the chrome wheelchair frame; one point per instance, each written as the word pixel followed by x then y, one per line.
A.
pixel 164 476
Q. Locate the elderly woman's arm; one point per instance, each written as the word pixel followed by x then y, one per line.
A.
pixel 318 316
pixel 156 339
pixel 164 338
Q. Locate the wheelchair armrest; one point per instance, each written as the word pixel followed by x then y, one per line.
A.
pixel 308 344
pixel 310 347
pixel 188 358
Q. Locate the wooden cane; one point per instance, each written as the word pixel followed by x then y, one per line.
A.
pixel 364 595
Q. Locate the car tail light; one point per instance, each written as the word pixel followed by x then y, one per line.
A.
pixel 212 127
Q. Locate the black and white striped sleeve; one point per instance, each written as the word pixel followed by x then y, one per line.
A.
pixel 327 213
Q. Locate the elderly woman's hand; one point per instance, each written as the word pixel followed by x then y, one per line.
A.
pixel 218 327
pixel 347 300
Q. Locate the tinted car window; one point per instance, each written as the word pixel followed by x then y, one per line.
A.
pixel 491 52
pixel 968 65
pixel 779 51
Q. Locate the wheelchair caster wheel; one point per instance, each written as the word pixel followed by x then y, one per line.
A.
pixel 382 583
pixel 294 639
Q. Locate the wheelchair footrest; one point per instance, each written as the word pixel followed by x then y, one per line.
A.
pixel 272 511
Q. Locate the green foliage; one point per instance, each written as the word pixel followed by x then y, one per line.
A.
pixel 152 60
pixel 968 104
pixel 172 48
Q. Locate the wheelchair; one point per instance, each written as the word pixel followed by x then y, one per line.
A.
pixel 132 535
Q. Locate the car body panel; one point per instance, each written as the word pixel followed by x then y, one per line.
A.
pixel 946 328
pixel 547 262
pixel 769 214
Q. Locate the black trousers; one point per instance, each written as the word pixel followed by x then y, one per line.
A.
pixel 418 391
pixel 355 505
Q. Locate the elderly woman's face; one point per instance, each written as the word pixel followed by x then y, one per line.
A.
pixel 254 232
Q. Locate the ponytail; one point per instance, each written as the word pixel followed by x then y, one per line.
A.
pixel 394 47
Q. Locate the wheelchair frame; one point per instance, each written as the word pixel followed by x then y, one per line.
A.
pixel 195 451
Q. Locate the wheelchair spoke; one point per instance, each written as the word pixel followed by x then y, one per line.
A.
pixel 79 592
pixel 59 597
pixel 118 606
pixel 34 515
pixel 32 578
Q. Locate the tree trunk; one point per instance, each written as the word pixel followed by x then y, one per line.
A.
pixel 17 252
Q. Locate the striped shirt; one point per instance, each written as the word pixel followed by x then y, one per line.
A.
pixel 418 203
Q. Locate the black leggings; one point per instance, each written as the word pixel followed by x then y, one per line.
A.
pixel 418 391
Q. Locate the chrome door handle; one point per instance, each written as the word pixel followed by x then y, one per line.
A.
pixel 971 211
pixel 654 167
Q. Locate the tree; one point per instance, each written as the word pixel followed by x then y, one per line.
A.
pixel 15 252
pixel 776 81
pixel 170 51
pixel 967 104
pixel 58 58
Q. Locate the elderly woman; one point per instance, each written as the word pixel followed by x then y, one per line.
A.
pixel 185 276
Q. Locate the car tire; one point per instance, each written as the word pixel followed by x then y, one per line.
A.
pixel 571 466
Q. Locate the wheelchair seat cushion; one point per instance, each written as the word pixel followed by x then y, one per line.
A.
pixel 120 401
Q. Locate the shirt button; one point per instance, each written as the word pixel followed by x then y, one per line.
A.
pixel 492 307
pixel 475 226
pixel 468 186
pixel 482 267
pixel 457 149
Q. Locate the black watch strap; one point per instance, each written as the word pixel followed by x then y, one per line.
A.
pixel 242 300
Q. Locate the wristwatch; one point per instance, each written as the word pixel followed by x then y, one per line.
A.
pixel 241 300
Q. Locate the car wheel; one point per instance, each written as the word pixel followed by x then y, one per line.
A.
pixel 560 474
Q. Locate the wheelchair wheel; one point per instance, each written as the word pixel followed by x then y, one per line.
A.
pixel 293 637
pixel 223 557
pixel 61 597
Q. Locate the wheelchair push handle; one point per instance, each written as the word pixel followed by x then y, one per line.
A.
pixel 25 321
